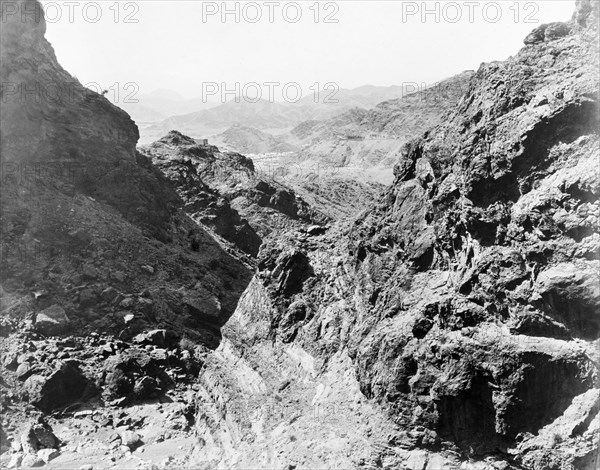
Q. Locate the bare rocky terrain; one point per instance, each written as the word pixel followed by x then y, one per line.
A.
pixel 367 138
pixel 169 306
pixel 248 140
pixel 224 192
pixel 341 164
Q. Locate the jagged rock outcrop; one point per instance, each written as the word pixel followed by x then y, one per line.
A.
pixel 466 300
pixel 111 292
pixel 89 227
pixel 94 240
pixel 223 192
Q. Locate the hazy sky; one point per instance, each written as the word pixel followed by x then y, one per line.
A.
pixel 178 45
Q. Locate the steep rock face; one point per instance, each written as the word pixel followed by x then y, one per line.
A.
pixel 338 197
pixel 88 224
pixel 467 299
pixel 47 115
pixel 38 92
pixel 96 248
pixel 223 192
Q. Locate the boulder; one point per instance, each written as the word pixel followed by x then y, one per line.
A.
pixel 571 295
pixel 29 442
pixel 536 36
pixel 114 440
pixel 48 454
pixel 117 384
pixel 88 298
pixel 556 30
pixel 109 294
pixel 127 302
pixel 161 338
pixel 62 387
pixel 547 32
pixel 145 387
pixel 89 272
pixel 316 230
pixel 15 461
pixel 148 269
pixel 44 434
pixel 118 276
pixel 39 435
pixel 32 460
pixel 52 321
pixel 25 370
pixel 130 439
pixel 10 360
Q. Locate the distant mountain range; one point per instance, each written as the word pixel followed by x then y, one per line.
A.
pixel 162 111
pixel 157 105
pixel 370 137
pixel 355 138
pixel 367 126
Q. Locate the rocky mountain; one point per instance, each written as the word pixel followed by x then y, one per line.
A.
pixel 341 164
pixel 243 199
pixel 261 115
pixel 374 137
pixel 333 100
pixel 249 140
pixel 455 324
pixel 87 221
pixel 96 248
pixel 156 106
pixel 451 325
pixel 223 192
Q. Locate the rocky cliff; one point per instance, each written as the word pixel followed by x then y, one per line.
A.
pixel 96 249
pixel 117 271
pixel 460 314
pixel 86 219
